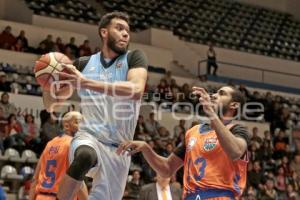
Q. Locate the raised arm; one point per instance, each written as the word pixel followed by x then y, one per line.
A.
pixel 165 167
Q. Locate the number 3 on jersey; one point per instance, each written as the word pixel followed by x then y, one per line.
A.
pixel 199 162
pixel 50 173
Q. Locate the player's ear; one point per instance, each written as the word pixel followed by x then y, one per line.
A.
pixel 235 105
pixel 103 32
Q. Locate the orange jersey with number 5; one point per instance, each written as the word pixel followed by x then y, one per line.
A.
pixel 53 164
pixel 209 173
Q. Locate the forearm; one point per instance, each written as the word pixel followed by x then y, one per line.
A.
pixel 52 100
pixel 230 143
pixel 158 163
pixel 83 192
pixel 120 88
pixel 32 190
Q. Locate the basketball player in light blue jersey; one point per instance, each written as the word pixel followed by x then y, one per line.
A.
pixel 110 84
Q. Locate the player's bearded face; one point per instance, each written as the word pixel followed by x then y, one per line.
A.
pixel 220 104
pixel 113 44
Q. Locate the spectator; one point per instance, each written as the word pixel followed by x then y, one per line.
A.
pixel 296 164
pixel 152 125
pixel 3 124
pixel 140 127
pixel 269 192
pixel 281 183
pixel 254 153
pixel 48 42
pixel 50 129
pixel 160 190
pixel 244 91
pixel 69 53
pixel 59 45
pixel 85 49
pixel 180 128
pixel 211 60
pixel 141 131
pixel 23 40
pixel 168 77
pixel 18 46
pixel 135 185
pixel 7 39
pixel 41 49
pixel 73 48
pixel 164 135
pixel 280 145
pixel 30 130
pixel 9 108
pixel 4 85
pixel 169 148
pixel 164 91
pixel 255 176
pixel 174 84
pixel 13 132
pixel 175 183
pixel 255 138
pixel 291 193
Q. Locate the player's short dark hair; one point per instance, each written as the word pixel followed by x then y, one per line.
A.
pixel 108 17
pixel 237 96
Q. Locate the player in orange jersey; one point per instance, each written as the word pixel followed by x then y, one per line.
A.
pixel 54 162
pixel 214 155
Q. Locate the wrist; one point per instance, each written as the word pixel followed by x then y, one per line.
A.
pixel 145 148
pixel 83 82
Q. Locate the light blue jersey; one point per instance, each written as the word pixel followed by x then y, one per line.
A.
pixel 110 119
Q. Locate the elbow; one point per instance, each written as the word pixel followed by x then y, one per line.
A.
pixel 236 155
pixel 137 94
pixel 165 173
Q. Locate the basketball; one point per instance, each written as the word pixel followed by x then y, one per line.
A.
pixel 46 69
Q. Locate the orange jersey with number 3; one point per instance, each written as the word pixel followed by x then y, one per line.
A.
pixel 53 164
pixel 209 173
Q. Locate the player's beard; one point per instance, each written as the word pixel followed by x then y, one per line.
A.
pixel 111 43
pixel 222 109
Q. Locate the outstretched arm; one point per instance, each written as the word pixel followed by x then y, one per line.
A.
pixel 165 167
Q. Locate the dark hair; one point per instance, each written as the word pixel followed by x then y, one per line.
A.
pixel 4 93
pixel 237 96
pixel 29 115
pixel 10 117
pixel 107 18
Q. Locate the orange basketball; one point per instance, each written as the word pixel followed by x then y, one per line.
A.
pixel 46 69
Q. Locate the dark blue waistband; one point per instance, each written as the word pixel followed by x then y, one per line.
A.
pixel 116 145
pixel 48 193
pixel 209 193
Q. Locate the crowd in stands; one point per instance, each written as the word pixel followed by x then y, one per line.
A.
pixel 20 43
pixel 274 165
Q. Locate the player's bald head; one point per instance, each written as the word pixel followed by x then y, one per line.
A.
pixel 72 115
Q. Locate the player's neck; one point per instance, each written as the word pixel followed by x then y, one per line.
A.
pixel 108 53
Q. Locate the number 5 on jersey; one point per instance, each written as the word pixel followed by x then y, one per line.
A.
pixel 50 173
